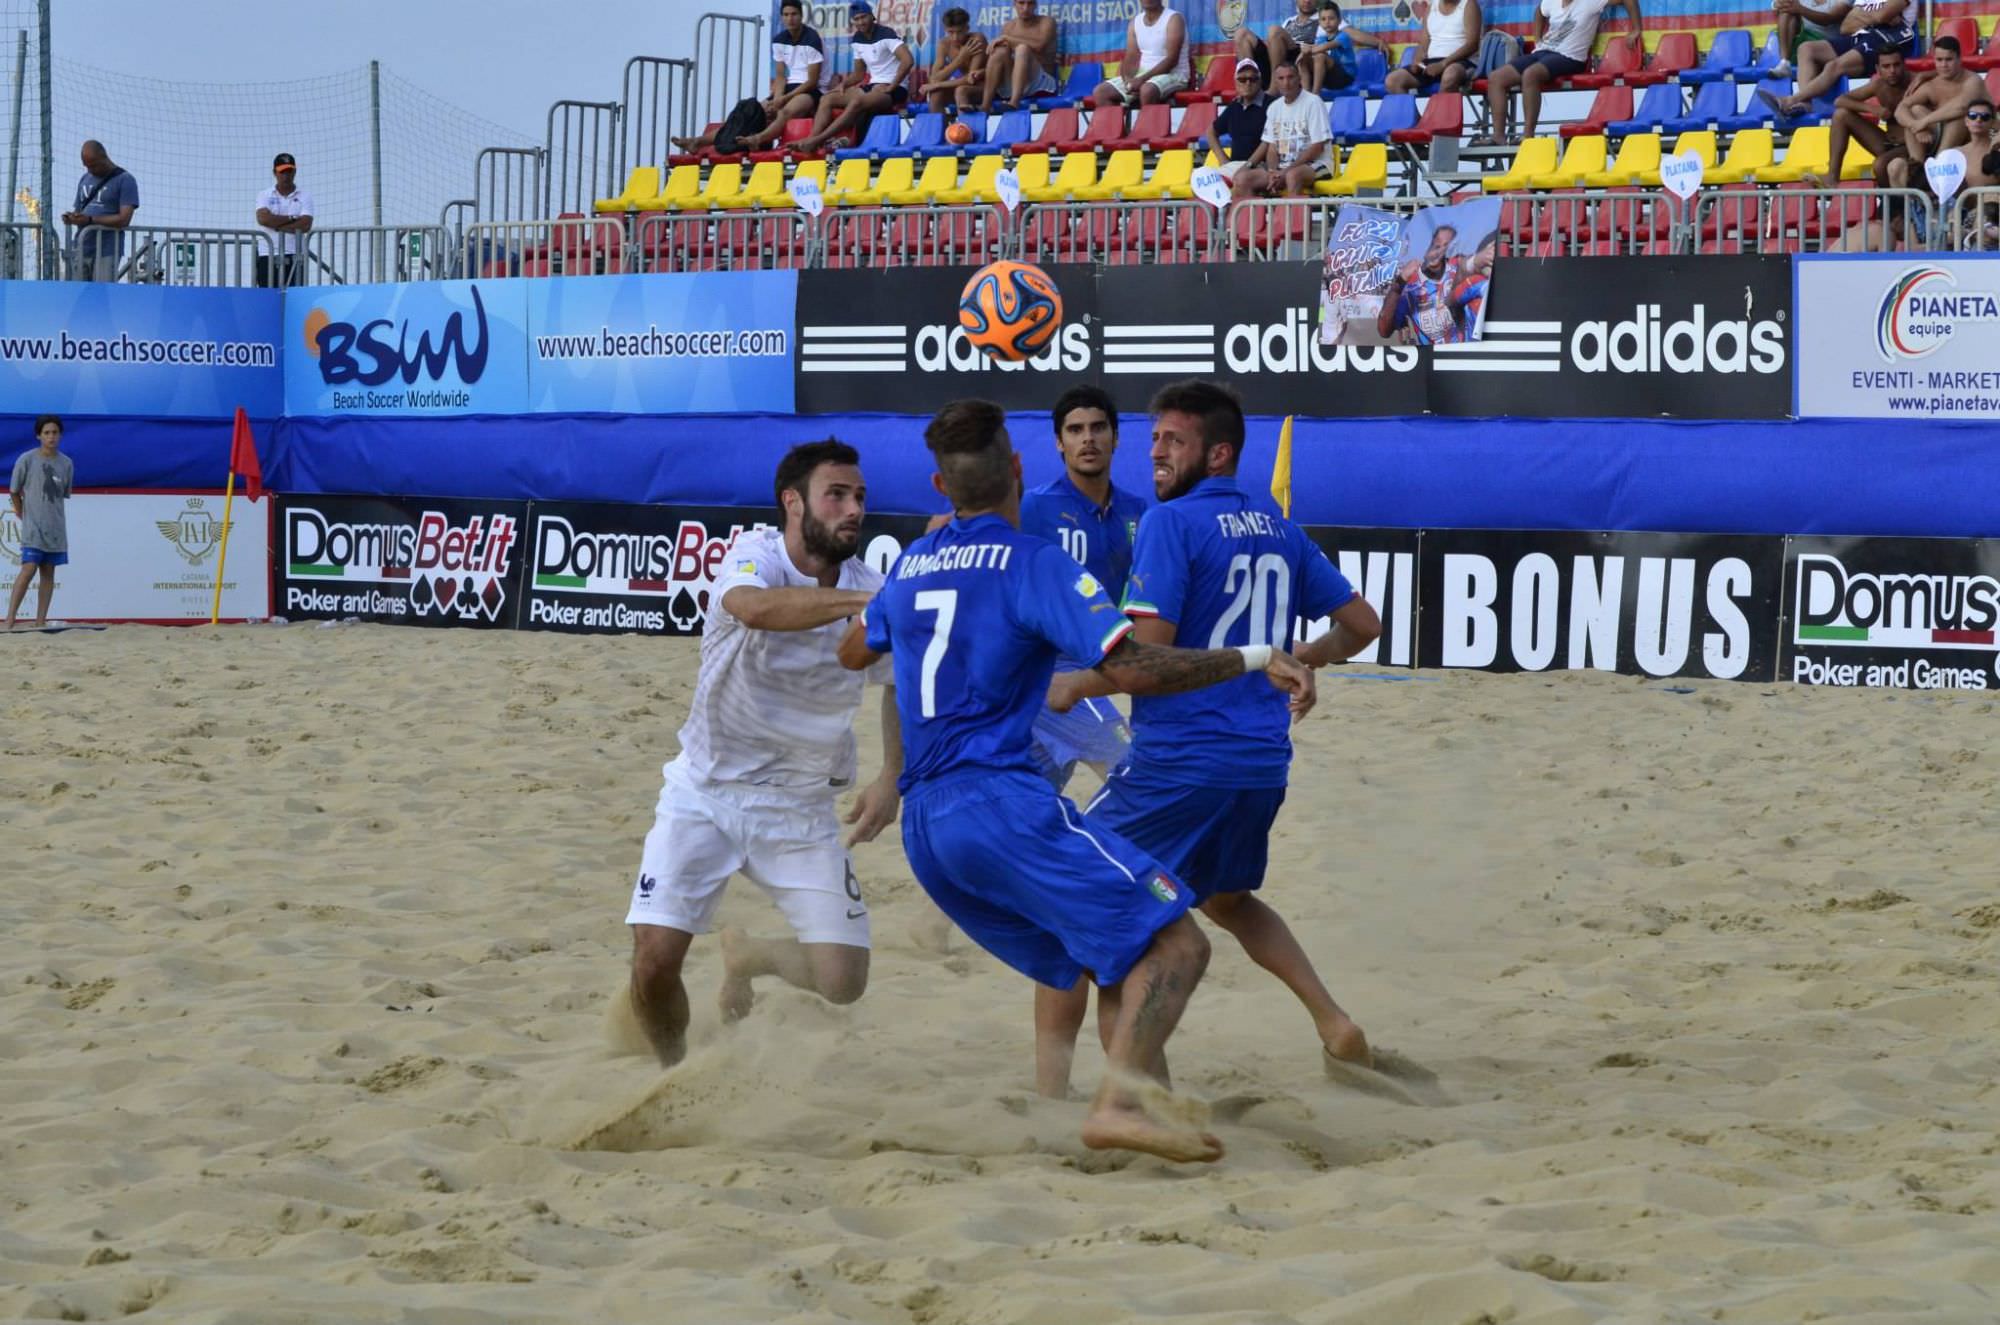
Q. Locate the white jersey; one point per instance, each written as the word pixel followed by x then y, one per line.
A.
pixel 774 707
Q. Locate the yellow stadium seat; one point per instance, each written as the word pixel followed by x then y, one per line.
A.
pixel 1366 167
pixel 1699 141
pixel 1638 154
pixel 940 175
pixel 1534 157
pixel 1584 156
pixel 767 181
pixel 851 178
pixel 1078 170
pixel 1171 177
pixel 897 174
pixel 641 185
pixel 1124 171
pixel 682 182
pixel 724 181
pixel 1032 171
pixel 1858 163
pixel 814 170
pixel 1749 151
pixel 1805 155
pixel 978 186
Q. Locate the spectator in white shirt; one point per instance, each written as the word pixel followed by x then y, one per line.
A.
pixel 1294 152
pixel 286 212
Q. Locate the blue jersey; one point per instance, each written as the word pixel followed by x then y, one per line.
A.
pixel 975 615
pixel 1099 537
pixel 1227 570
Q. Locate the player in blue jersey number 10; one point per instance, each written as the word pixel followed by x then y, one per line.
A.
pixel 1215 565
pixel 974 615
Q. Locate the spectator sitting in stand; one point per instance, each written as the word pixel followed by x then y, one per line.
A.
pixel 1852 118
pixel 1866 29
pixel 106 197
pixel 798 59
pixel 1282 43
pixel 1156 63
pixel 1564 32
pixel 1887 233
pixel 286 211
pixel 960 65
pixel 1933 114
pixel 1327 60
pixel 1293 152
pixel 1023 60
pixel 878 85
pixel 1241 121
pixel 1452 32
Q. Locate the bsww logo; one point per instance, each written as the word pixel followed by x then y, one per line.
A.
pixel 1846 608
pixel 1656 615
pixel 380 350
pixel 1648 342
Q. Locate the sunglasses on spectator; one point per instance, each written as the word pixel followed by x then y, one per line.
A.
pixel 1979 115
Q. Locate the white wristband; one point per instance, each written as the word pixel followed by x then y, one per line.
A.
pixel 1256 657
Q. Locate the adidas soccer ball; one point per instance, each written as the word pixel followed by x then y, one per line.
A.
pixel 1010 310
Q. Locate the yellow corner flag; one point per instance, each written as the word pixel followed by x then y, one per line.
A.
pixel 1281 470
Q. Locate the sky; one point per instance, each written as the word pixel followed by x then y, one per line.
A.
pixel 504 60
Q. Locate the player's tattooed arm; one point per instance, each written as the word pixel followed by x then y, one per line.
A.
pixel 804 607
pixel 1355 627
pixel 1138 668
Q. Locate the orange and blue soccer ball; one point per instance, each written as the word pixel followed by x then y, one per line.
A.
pixel 1010 310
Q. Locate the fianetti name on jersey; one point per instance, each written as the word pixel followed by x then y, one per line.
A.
pixel 1246 524
pixel 968 556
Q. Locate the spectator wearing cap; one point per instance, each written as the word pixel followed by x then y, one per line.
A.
pixel 106 197
pixel 1241 122
pixel 285 211
pixel 879 84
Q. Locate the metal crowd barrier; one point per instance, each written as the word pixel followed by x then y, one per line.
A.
pixel 507 184
pixel 1975 220
pixel 1172 230
pixel 581 156
pixel 864 237
pixel 25 252
pixel 780 238
pixel 373 255
pixel 729 57
pixel 1293 229
pixel 489 250
pixel 163 255
pixel 1797 220
pixel 658 106
pixel 1571 225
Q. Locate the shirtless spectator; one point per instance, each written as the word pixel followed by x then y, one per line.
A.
pixel 960 65
pixel 879 84
pixel 1933 114
pixel 1866 29
pixel 1854 117
pixel 1023 59
pixel 1890 232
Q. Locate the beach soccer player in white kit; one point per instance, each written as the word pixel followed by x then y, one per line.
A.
pixel 768 745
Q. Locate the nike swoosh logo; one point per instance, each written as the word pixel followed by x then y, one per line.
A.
pixel 857 913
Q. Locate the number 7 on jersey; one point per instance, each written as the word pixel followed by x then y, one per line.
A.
pixel 944 602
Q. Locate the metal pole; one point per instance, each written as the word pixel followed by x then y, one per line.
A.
pixel 375 134
pixel 14 144
pixel 48 111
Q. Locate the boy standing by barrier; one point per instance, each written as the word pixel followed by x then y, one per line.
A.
pixel 41 484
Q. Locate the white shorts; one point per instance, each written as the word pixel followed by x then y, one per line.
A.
pixel 783 839
pixel 1167 85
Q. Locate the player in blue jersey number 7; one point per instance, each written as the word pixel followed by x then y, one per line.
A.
pixel 974 616
pixel 1215 565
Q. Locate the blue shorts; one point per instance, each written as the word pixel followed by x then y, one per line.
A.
pixel 32 556
pixel 1015 866
pixel 1215 839
pixel 1094 732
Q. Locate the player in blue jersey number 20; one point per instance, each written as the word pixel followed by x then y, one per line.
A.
pixel 974 616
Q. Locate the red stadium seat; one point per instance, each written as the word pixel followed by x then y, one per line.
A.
pixel 1677 52
pixel 1623 56
pixel 1107 125
pixel 1059 126
pixel 1152 126
pixel 1195 125
pixel 1218 84
pixel 1444 116
pixel 1728 213
pixel 791 133
pixel 1966 30
pixel 1610 103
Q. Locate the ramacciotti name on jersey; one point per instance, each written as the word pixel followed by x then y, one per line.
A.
pixel 969 556
pixel 1246 524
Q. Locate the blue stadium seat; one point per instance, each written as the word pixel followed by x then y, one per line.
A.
pixel 971 119
pixel 1347 117
pixel 1371 71
pixel 883 133
pixel 1660 104
pixel 1076 89
pixel 1767 59
pixel 1013 129
pixel 1730 52
pixel 1714 103
pixel 926 137
pixel 1398 110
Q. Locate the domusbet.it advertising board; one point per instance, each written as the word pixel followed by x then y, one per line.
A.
pixel 1898 336
pixel 1910 613
pixel 151 351
pixel 151 557
pixel 427 348
pixel 1703 605
pixel 415 561
pixel 595 568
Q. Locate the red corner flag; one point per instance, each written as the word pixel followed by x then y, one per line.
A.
pixel 243 457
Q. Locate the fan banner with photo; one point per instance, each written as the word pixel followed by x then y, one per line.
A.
pixel 1421 279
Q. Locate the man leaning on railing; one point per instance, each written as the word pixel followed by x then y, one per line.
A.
pixel 106 197
pixel 285 211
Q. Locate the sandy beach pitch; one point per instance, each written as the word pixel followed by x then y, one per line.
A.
pixel 307 935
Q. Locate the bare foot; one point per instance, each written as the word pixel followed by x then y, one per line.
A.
pixel 735 997
pixel 1812 181
pixel 1113 1128
pixel 1348 1044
